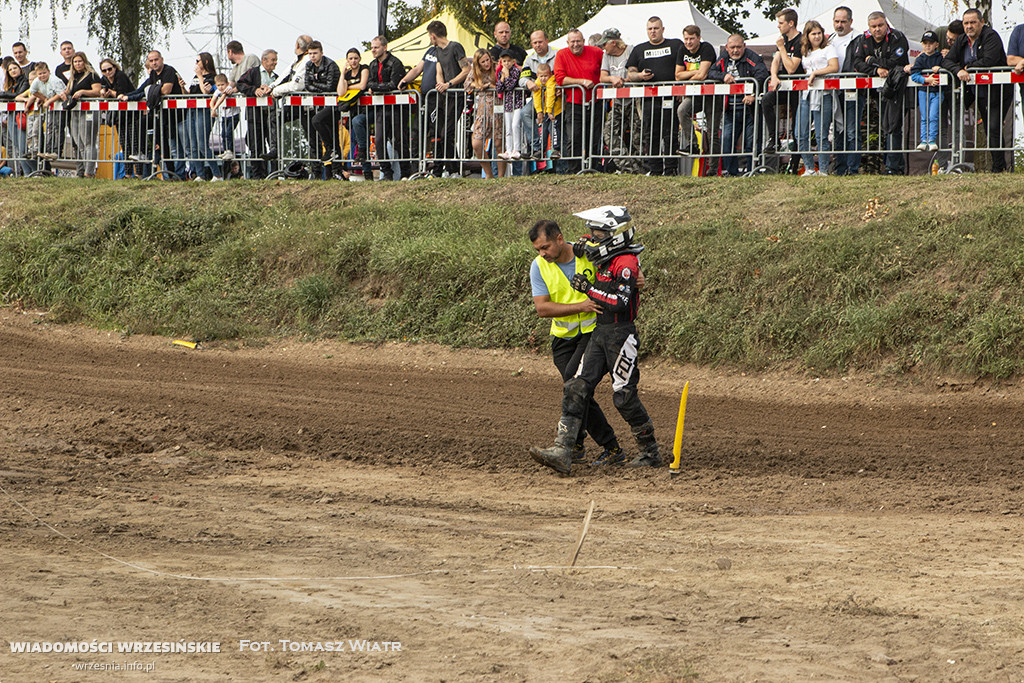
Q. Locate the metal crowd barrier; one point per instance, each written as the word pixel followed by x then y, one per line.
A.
pixel 312 140
pixel 631 128
pixel 16 154
pixel 883 124
pixel 640 132
pixel 396 146
pixel 991 95
pixel 190 147
pixel 105 138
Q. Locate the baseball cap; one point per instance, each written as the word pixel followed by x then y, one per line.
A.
pixel 609 35
pixel 930 37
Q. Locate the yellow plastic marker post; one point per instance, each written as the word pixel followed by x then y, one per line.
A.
pixel 677 446
pixel 186 344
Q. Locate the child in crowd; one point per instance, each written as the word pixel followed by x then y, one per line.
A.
pixel 220 93
pixel 929 98
pixel 547 102
pixel 508 87
pixel 45 88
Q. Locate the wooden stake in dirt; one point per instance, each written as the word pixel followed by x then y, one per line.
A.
pixel 583 534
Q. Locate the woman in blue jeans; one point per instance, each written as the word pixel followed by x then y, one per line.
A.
pixel 199 123
pixel 353 82
pixel 820 58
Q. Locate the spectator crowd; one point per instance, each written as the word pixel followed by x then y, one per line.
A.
pixel 508 111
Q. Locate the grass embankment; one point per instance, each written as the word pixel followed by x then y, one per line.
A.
pixel 753 273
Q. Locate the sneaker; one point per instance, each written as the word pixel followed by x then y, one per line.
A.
pixel 923 147
pixel 932 147
pixel 610 456
pixel 823 173
pixel 504 155
pixel 579 453
pixel 51 156
pixel 515 155
pixel 199 179
pixel 216 179
pixel 226 155
pixel 810 172
pixel 537 156
pixel 555 155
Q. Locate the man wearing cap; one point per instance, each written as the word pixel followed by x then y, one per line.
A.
pixel 620 132
pixel 981 48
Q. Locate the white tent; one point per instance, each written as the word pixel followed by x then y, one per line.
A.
pixel 631 21
pixel 900 18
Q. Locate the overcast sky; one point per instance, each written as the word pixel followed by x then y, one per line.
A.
pixel 261 24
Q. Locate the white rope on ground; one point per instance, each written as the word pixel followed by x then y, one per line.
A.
pixel 305 579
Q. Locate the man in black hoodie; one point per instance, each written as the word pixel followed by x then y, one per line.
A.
pixel 391 122
pixel 882 52
pixel 981 48
pixel 736 62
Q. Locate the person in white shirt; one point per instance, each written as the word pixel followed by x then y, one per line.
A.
pixel 819 58
pixel 847 105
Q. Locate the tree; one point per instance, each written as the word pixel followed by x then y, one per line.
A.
pixel 404 17
pixel 124 29
pixel 556 17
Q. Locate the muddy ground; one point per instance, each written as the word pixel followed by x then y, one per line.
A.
pixel 308 494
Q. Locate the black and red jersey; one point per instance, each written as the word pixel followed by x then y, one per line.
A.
pixel 615 290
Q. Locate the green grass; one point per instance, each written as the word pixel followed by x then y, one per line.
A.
pixel 897 276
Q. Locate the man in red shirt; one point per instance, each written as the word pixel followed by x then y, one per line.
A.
pixel 578 65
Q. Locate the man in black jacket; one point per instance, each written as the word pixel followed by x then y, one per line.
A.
pixel 260 130
pixel 391 121
pixel 737 62
pixel 322 76
pixel 882 52
pixel 981 48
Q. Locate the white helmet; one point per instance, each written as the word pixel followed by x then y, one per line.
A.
pixel 607 218
pixel 614 222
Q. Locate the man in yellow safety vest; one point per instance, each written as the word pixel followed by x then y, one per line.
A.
pixel 573 318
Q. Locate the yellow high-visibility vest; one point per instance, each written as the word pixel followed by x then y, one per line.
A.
pixel 561 292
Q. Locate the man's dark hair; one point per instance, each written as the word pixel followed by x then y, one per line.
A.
pixel 546 228
pixel 844 8
pixel 974 10
pixel 956 27
pixel 315 45
pixel 787 15
pixel 235 47
pixel 438 29
pixel 67 42
pixel 19 44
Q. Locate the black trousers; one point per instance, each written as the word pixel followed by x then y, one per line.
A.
pixel 991 104
pixel 391 123
pixel 325 123
pixel 567 354
pixel 613 350
pixel 659 128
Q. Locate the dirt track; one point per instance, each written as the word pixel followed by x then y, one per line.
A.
pixel 323 492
